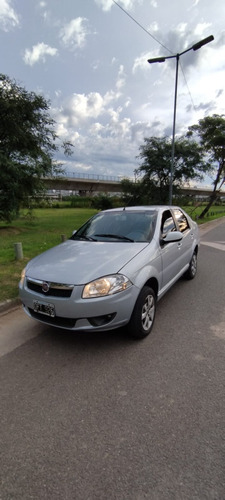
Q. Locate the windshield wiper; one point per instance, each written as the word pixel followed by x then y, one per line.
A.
pixel 117 236
pixel 86 238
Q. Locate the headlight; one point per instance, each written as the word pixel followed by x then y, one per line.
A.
pixel 22 277
pixel 108 285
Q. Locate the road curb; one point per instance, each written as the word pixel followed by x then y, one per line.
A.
pixel 204 228
pixel 9 304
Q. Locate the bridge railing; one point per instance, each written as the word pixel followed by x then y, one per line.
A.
pixel 96 177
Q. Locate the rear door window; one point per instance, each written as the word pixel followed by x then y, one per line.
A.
pixel 181 220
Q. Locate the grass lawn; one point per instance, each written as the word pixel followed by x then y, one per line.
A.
pixel 38 234
pixel 44 231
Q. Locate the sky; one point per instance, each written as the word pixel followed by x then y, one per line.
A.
pixel 88 58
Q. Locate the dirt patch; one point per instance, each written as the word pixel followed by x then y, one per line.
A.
pixel 7 231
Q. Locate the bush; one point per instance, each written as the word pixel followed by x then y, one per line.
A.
pixel 80 202
pixel 102 202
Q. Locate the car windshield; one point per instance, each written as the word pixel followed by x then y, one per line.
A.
pixel 120 226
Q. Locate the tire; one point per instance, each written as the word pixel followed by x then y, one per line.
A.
pixel 143 315
pixel 192 270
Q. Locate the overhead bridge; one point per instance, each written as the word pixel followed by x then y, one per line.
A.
pixel 87 185
pixel 95 184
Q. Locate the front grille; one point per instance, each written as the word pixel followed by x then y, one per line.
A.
pixel 55 289
pixel 56 321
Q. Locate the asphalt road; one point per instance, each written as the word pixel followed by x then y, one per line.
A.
pixel 102 417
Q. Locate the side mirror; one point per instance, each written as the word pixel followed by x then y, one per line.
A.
pixel 74 232
pixel 171 237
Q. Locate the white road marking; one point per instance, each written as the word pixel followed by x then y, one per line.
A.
pixel 219 245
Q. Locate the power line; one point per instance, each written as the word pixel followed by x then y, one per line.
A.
pixel 193 104
pixel 142 27
pixel 156 40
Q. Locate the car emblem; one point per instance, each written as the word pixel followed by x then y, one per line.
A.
pixel 45 287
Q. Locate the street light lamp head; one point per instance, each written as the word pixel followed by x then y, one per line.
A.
pixel 156 60
pixel 198 45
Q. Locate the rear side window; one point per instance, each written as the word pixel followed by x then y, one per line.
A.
pixel 181 220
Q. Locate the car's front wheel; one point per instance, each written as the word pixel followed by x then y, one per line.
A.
pixel 143 315
pixel 192 270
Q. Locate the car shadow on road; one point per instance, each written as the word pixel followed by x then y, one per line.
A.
pixel 95 340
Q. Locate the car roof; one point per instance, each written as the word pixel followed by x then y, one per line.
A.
pixel 142 208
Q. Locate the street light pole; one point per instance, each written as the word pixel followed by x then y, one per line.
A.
pixel 194 47
pixel 173 133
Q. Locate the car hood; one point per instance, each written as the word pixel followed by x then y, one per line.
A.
pixel 78 262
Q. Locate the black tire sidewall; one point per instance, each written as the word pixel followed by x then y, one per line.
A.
pixel 189 274
pixel 135 327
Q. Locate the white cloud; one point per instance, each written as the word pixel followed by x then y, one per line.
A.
pixel 121 78
pixel 181 28
pixel 83 108
pixel 73 34
pixel 80 108
pixel 38 52
pixel 96 128
pixel 195 3
pixel 103 128
pixel 8 17
pixel 153 27
pixel 201 28
pixel 107 4
pixel 141 62
pixel 44 12
pixel 95 64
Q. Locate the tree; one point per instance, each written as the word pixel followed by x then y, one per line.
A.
pixel 211 132
pixel 156 166
pixel 134 193
pixel 27 145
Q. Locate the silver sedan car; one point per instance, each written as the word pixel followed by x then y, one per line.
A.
pixel 112 270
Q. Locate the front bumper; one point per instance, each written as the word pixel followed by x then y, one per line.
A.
pixel 77 314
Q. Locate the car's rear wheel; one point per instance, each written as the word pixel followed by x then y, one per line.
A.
pixel 143 315
pixel 192 270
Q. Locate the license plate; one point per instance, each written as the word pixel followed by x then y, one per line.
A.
pixel 44 308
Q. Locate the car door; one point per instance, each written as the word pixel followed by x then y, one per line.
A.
pixel 170 252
